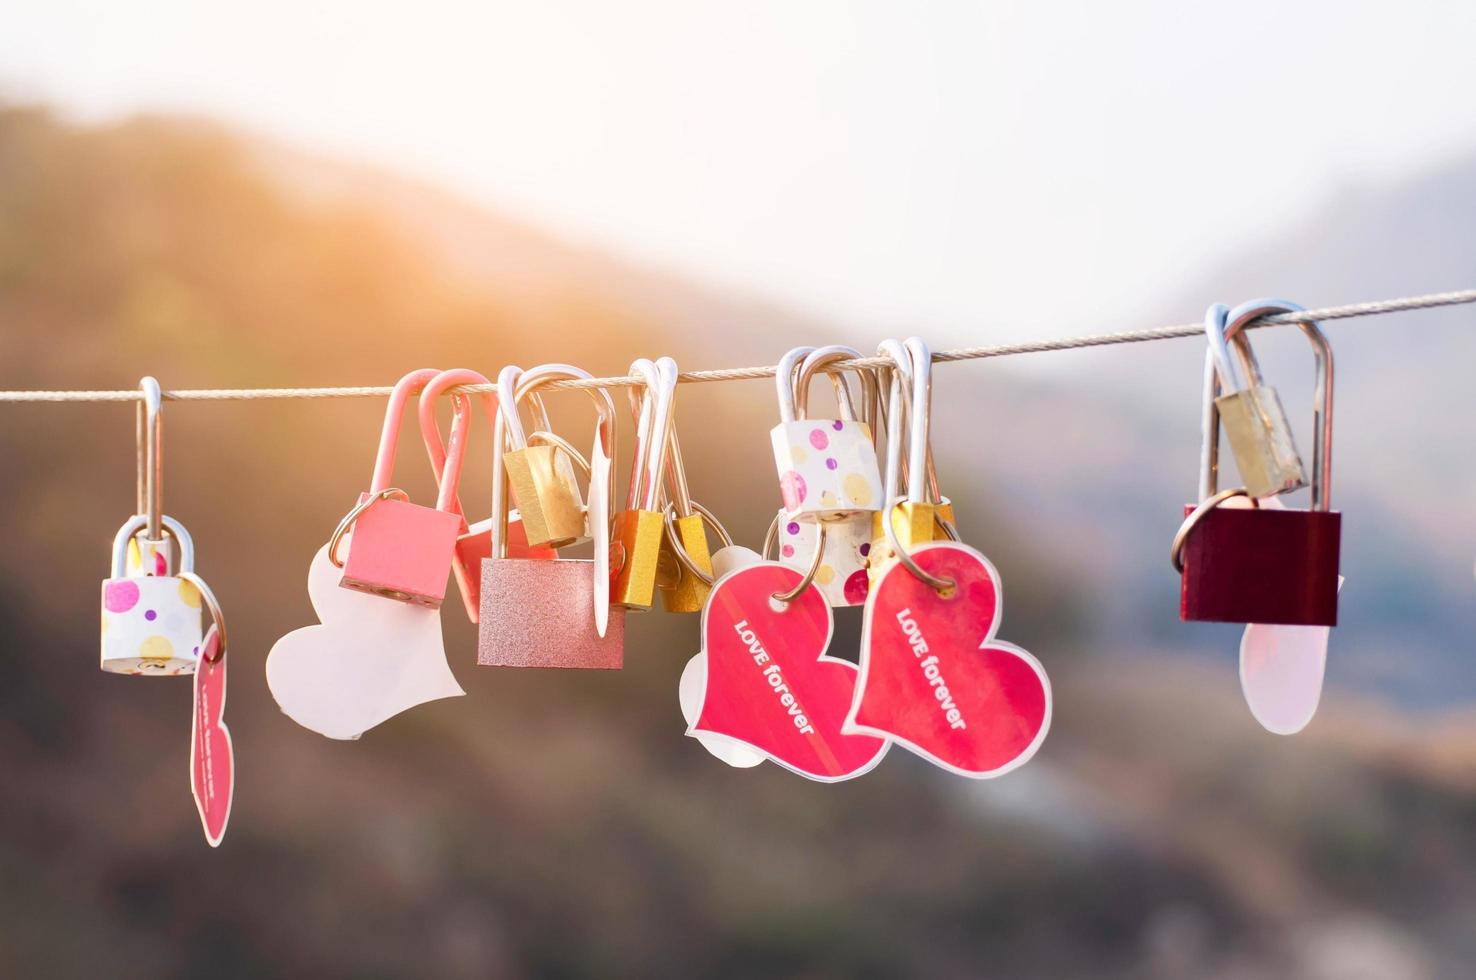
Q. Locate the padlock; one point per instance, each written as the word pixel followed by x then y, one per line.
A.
pixel 684 567
pixel 1250 410
pixel 827 467
pixel 396 549
pixel 552 613
pixel 474 543
pixel 915 515
pixel 641 526
pixel 542 479
pixel 150 618
pixel 1261 565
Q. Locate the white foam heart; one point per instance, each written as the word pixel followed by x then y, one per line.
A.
pixel 368 660
pixel 1281 667
pixel 692 688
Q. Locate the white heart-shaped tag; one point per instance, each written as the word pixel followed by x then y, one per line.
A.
pixel 369 659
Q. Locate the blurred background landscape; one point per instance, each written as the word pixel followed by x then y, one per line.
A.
pixel 559 824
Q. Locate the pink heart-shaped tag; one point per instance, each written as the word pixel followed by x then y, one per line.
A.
pixel 769 684
pixel 212 757
pixel 934 678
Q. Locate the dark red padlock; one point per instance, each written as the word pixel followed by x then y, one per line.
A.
pixel 1261 564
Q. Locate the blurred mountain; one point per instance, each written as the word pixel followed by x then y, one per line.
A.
pixel 553 824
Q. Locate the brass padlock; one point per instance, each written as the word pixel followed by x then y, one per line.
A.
pixel 684 568
pixel 640 527
pixel 1250 410
pixel 921 514
pixel 541 478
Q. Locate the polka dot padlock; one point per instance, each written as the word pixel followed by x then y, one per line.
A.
pixel 827 467
pixel 150 619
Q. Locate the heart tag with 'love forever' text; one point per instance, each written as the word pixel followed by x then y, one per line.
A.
pixel 212 757
pixel 768 683
pixel 934 678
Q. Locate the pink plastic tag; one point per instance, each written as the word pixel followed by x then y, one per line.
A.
pixel 212 757
pixel 934 678
pixel 1281 670
pixel 769 684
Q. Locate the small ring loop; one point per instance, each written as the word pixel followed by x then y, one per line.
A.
pixel 680 550
pixel 354 514
pixel 213 605
pixel 1196 515
pixel 940 585
pixel 804 583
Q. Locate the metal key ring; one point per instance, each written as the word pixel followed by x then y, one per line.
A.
pixel 804 583
pixel 1195 516
pixel 680 550
pixel 213 605
pixel 354 514
pixel 943 586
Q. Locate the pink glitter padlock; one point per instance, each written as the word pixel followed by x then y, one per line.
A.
pixel 397 549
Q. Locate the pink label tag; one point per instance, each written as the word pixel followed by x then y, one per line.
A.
pixel 769 684
pixel 934 678
pixel 212 759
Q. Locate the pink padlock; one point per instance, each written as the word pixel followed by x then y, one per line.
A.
pixel 475 541
pixel 397 549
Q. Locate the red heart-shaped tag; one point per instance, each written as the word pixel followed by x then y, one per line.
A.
pixel 770 685
pixel 934 678
pixel 212 759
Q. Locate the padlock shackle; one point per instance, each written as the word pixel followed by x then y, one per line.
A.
pixel 447 458
pixel 653 432
pixel 184 561
pixel 149 437
pixel 1238 320
pixel 898 385
pixel 919 449
pixel 507 401
pixel 1219 347
pixel 389 434
pixel 784 377
pixel 819 360
pixel 677 490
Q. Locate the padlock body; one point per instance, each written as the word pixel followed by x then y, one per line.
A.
pixel 151 624
pixel 681 591
pixel 841 576
pixel 547 495
pixel 402 551
pixel 915 523
pixel 541 614
pixel 474 546
pixel 826 467
pixel 635 543
pixel 1261 441
pixel 1262 565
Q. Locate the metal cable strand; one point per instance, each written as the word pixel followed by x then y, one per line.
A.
pixel 1377 307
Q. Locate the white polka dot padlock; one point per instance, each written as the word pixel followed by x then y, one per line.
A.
pixel 150 619
pixel 827 467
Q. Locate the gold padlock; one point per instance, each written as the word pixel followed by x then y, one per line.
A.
pixel 541 477
pixel 684 573
pixel 922 514
pixel 640 527
pixel 1250 410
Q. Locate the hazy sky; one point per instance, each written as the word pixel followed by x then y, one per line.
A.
pixel 976 171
